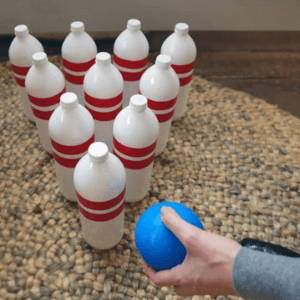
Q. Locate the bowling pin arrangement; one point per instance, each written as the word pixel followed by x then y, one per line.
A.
pixel 160 85
pixel 135 135
pixel 131 50
pixel 44 84
pixel 97 106
pixel 103 95
pixel 20 52
pixel 182 49
pixel 99 180
pixel 72 130
pixel 78 55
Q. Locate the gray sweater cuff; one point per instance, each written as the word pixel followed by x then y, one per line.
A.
pixel 259 275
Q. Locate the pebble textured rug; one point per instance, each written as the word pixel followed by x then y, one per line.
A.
pixel 233 158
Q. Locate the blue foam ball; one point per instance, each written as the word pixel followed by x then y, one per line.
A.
pixel 158 246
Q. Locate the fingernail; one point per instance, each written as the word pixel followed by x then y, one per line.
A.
pixel 165 211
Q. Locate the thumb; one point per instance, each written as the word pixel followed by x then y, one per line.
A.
pixel 184 231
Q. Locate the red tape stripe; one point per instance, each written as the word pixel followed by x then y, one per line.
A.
pixel 185 80
pixel 103 102
pixel 101 205
pixel 20 81
pixel 131 64
pixel 134 152
pixel 19 69
pixel 131 76
pixel 75 79
pixel 72 150
pixel 43 102
pixel 135 164
pixel 43 115
pixel 78 67
pixel 66 162
pixel 181 69
pixel 165 117
pixel 104 116
pixel 101 217
pixel 161 105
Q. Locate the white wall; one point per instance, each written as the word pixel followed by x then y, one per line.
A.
pixel 55 15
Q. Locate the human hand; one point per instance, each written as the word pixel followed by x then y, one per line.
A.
pixel 208 265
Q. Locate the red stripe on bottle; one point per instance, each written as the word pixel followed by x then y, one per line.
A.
pixel 20 70
pixel 165 117
pixel 185 80
pixel 72 150
pixel 134 152
pixel 66 162
pixel 131 64
pixel 20 81
pixel 135 164
pixel 103 102
pixel 131 76
pixel 104 116
pixel 181 69
pixel 101 205
pixel 101 217
pixel 160 105
pixel 78 67
pixel 75 79
pixel 43 115
pixel 43 102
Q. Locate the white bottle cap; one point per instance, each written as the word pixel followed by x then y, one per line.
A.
pixel 98 151
pixel 134 24
pixel 77 26
pixel 138 102
pixel 21 30
pixel 163 61
pixel 68 100
pixel 103 59
pixel 39 58
pixel 182 28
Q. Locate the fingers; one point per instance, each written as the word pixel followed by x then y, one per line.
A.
pixel 184 231
pixel 168 277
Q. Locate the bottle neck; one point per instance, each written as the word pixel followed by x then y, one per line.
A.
pixel 98 152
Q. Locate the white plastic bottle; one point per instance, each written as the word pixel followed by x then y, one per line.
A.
pixel 103 93
pixel 78 55
pixel 99 180
pixel 135 134
pixel 160 85
pixel 20 52
pixel 71 129
pixel 131 50
pixel 44 84
pixel 182 49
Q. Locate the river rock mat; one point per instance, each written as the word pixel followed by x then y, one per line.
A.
pixel 233 158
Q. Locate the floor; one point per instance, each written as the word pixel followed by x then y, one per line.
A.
pixel 265 64
pixel 273 76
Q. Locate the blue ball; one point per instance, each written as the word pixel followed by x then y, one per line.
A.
pixel 158 246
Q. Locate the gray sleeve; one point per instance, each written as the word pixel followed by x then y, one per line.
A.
pixel 263 276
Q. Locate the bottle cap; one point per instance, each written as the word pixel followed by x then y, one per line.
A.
pixel 103 58
pixel 182 28
pixel 39 58
pixel 163 61
pixel 138 102
pixel 134 24
pixel 77 26
pixel 98 151
pixel 21 30
pixel 68 100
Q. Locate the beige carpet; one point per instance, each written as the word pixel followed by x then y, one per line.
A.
pixel 233 158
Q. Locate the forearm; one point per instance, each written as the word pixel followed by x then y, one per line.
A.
pixel 258 275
